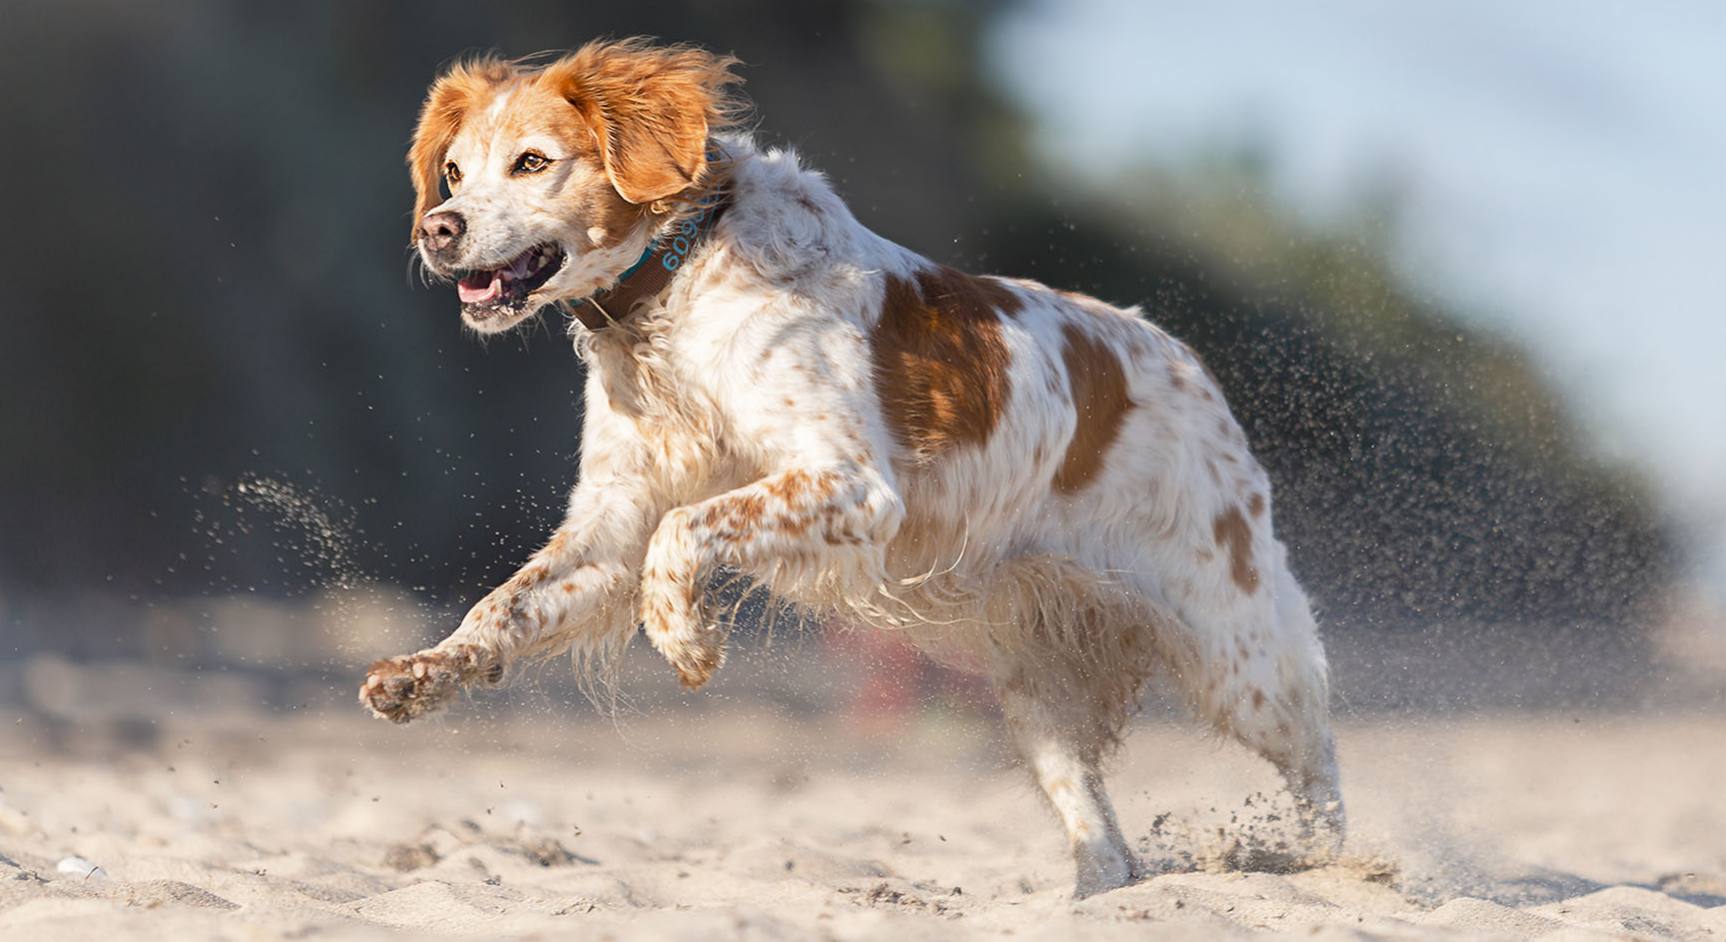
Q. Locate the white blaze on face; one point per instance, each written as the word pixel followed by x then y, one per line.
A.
pixel 500 104
pixel 505 213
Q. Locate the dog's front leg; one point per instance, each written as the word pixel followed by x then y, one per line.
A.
pixel 576 590
pixel 826 523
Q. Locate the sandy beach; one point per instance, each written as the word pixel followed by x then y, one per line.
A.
pixel 1081 342
pixel 743 814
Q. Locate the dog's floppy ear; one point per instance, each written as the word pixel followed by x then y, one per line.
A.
pixel 446 106
pixel 651 108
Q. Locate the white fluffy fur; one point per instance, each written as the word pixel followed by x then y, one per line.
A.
pixel 751 384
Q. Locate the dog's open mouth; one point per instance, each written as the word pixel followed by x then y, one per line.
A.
pixel 488 290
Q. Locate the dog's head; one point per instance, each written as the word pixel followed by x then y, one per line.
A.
pixel 536 183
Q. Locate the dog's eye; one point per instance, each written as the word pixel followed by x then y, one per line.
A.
pixel 530 162
pixel 451 173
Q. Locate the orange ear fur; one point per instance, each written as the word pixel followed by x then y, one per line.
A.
pixel 652 108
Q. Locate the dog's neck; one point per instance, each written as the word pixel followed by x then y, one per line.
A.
pixel 672 245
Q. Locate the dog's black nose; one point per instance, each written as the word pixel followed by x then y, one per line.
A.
pixel 439 231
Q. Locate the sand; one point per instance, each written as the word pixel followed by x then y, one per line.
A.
pixel 730 816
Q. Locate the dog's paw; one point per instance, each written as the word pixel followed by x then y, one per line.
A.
pixel 696 662
pixel 695 656
pixel 674 627
pixel 1102 867
pixel 1323 828
pixel 402 689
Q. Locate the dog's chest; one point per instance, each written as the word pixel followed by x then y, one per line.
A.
pixel 667 416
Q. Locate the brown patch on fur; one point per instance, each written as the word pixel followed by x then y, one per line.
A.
pixel 652 109
pixel 606 210
pixel 788 486
pixel 1234 534
pixel 1258 699
pixel 940 360
pixel 959 295
pixel 1256 505
pixel 1100 402
pixel 528 577
pixel 735 515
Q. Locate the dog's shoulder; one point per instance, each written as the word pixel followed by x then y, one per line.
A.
pixel 787 222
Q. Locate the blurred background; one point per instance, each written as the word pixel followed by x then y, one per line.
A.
pixel 1456 265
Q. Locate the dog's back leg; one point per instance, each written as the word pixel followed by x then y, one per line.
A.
pixel 1257 672
pixel 1061 731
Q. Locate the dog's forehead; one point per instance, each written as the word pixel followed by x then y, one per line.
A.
pixel 518 114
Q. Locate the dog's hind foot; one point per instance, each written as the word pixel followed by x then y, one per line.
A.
pixel 1323 822
pixel 402 689
pixel 1100 866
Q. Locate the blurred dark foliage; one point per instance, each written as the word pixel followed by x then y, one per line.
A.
pixel 206 277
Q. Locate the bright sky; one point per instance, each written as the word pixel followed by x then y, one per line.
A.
pixel 1564 163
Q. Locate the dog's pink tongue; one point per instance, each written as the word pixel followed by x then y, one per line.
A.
pixel 479 287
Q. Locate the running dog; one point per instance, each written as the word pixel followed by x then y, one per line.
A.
pixel 1029 483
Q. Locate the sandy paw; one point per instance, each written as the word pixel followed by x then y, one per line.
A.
pixel 401 689
pixel 1322 830
pixel 1100 869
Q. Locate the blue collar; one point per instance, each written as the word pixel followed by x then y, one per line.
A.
pixel 653 271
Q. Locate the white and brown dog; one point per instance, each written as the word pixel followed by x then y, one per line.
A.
pixel 1029 483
